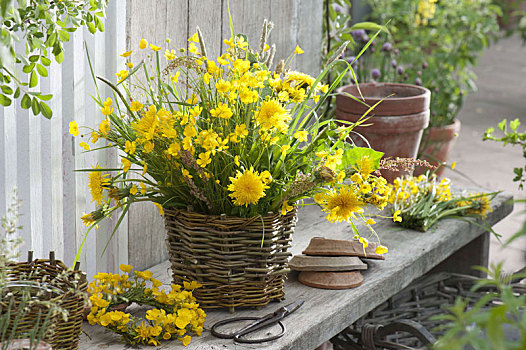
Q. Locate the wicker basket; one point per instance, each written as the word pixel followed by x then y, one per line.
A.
pixel 404 321
pixel 68 290
pixel 239 261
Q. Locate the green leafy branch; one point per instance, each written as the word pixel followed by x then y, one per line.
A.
pixel 42 26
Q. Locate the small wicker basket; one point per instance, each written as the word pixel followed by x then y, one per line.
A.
pixel 239 261
pixel 405 320
pixel 65 288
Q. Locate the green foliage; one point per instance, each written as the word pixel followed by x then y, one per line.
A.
pixel 432 44
pixel 484 324
pixel 513 17
pixel 514 137
pixel 42 26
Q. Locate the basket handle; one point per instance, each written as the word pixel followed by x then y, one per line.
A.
pixel 409 326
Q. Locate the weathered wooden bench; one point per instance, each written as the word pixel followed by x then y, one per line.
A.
pixel 452 245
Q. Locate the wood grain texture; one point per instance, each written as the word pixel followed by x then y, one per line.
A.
pixel 247 17
pixel 207 14
pixel 310 17
pixel 284 14
pixel 326 312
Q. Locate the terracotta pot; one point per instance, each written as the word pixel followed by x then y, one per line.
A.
pixel 397 122
pixel 436 145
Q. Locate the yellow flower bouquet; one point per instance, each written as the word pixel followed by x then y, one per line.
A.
pixel 175 313
pixel 231 137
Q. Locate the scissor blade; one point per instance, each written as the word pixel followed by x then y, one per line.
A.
pixel 293 306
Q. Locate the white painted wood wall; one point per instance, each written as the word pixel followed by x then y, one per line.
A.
pixel 39 156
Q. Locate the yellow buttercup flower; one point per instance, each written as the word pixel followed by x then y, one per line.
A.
pixel 380 249
pixel 396 216
pixel 301 135
pixel 174 78
pixel 204 159
pixel 133 190
pixel 286 207
pixel 123 74
pixel 155 48
pixel 284 149
pixel 136 106
pixel 129 147
pixel 73 128
pixel 221 111
pixel 142 44
pixel 84 145
pixel 298 50
pixel 247 188
pixel 104 127
pixel 364 242
pixel 127 164
pixel 145 275
pixel 125 268
pixel 127 53
pixel 194 38
pixel 160 208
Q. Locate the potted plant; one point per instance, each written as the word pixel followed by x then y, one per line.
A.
pixel 435 45
pixel 226 149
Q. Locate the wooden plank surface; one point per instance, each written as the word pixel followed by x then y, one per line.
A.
pixel 326 312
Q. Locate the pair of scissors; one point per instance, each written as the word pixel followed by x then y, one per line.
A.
pixel 260 322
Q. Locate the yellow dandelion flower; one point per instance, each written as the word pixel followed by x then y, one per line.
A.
pixel 247 188
pixel 97 182
pixel 341 205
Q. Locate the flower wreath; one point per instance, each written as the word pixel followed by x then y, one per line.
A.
pixel 175 314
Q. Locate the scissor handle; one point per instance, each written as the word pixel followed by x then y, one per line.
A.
pixel 237 335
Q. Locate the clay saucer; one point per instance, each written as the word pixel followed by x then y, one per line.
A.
pixel 336 247
pixel 331 280
pixel 326 263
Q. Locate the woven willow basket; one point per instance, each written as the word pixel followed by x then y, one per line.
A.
pixel 239 261
pixel 68 292
pixel 406 320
